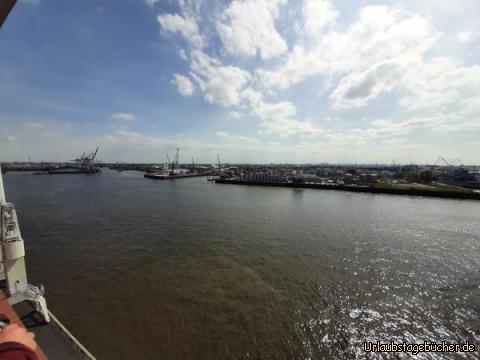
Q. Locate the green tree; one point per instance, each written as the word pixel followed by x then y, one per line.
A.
pixel 426 176
pixel 412 176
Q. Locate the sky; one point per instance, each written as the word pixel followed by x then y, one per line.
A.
pixel 257 81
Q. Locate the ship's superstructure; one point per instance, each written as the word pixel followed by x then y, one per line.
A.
pixel 19 301
pixel 12 267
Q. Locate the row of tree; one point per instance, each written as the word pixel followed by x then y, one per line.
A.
pixel 419 176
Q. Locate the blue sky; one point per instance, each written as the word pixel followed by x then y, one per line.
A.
pixel 253 80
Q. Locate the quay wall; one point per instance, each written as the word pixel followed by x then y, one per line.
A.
pixel 361 189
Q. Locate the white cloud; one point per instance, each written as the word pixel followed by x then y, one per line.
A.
pixel 289 127
pixel 125 117
pixel 185 26
pixel 221 84
pixel 151 3
pixel 380 34
pixel 248 27
pixel 318 15
pixel 440 84
pixel 467 36
pixel 190 7
pixel 279 119
pixel 182 53
pixel 184 85
pixel 359 88
pixel 275 111
pixel 235 114
pixel 384 51
pixel 383 140
pixel 237 139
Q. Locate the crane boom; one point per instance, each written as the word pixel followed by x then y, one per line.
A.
pixel 94 155
pixel 176 156
pixel 443 160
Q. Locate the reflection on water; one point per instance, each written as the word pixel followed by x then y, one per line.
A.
pixel 193 270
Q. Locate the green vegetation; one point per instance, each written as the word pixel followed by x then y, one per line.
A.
pixel 413 176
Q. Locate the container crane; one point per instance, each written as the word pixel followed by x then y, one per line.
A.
pixel 176 157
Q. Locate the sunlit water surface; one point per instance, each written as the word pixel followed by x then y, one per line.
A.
pixel 185 269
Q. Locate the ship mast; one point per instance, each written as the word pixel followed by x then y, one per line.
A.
pixel 12 251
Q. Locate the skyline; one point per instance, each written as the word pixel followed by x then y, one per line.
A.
pixel 256 81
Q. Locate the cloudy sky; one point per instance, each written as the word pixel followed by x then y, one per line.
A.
pixel 254 80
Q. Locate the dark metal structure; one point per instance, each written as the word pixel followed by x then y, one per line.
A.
pixel 5 7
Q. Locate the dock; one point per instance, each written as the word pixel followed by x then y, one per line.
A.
pixel 358 189
pixel 171 177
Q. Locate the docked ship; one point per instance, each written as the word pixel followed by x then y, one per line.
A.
pixel 170 170
pixel 22 303
pixel 84 164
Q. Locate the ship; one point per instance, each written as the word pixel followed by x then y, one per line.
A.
pixel 25 304
pixel 84 164
pixel 22 303
pixel 170 170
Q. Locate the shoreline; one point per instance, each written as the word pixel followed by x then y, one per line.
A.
pixel 170 177
pixel 362 189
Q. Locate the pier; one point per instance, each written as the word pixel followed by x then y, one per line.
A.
pixel 171 177
pixel 359 189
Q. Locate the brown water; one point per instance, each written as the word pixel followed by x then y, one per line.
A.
pixel 185 269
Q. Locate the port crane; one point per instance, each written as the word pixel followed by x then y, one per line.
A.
pixel 450 164
pixel 442 159
pixel 87 161
pixel 12 265
pixel 176 156
pixel 173 164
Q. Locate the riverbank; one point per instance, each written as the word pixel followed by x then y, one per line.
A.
pixel 363 189
pixel 170 177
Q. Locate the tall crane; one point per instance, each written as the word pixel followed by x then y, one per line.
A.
pixel 167 165
pixel 443 160
pixel 449 164
pixel 173 164
pixel 176 157
pixel 94 155
pixel 87 161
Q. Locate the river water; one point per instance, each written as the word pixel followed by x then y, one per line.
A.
pixel 186 269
